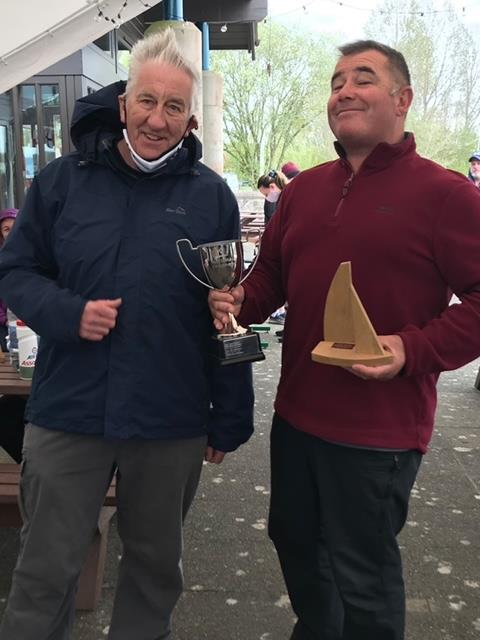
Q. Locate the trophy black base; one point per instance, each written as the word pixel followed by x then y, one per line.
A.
pixel 233 349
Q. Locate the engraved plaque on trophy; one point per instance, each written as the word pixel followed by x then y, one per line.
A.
pixel 223 266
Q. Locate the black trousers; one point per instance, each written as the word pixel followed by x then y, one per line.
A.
pixel 12 426
pixel 335 513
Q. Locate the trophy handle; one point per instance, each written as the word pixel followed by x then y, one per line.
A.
pixel 192 248
pixel 254 261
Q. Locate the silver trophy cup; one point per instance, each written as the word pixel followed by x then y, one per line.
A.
pixel 223 266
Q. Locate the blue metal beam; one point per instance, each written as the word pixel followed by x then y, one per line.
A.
pixel 205 46
pixel 173 9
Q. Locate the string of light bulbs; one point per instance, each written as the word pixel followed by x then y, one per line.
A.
pixel 117 20
pixel 418 12
pixel 304 7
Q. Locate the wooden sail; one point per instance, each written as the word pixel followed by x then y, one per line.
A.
pixel 349 335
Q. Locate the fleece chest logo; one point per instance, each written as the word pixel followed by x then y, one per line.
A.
pixel 385 209
pixel 179 211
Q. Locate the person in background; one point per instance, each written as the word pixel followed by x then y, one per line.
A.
pixel 12 408
pixel 347 443
pixel 124 380
pixel 290 170
pixel 7 220
pixel 3 326
pixel 474 170
pixel 271 186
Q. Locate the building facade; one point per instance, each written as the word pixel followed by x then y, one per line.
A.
pixel 35 115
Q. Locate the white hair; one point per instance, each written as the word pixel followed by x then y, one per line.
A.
pixel 162 47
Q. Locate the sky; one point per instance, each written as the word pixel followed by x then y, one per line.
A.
pixel 346 19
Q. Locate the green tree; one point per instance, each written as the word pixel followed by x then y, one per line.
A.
pixel 444 63
pixel 273 101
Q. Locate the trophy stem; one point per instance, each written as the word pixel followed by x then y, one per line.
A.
pixel 235 326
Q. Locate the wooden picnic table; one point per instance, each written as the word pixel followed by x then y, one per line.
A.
pixel 246 218
pixel 251 224
pixel 10 382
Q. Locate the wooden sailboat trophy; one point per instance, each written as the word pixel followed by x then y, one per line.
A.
pixel 349 335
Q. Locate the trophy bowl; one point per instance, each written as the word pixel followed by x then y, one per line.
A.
pixel 222 264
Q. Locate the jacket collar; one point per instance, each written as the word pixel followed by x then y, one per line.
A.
pixel 383 154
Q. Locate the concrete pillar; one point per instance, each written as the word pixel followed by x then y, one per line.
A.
pixel 213 121
pixel 189 39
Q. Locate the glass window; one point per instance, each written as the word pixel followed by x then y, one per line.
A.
pixel 29 133
pixel 7 153
pixel 52 124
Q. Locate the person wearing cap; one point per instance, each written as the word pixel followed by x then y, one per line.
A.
pixel 7 220
pixel 474 170
pixel 290 169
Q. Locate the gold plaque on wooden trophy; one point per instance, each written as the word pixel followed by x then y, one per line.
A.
pixel 349 335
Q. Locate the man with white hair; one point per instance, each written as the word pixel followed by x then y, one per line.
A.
pixel 123 377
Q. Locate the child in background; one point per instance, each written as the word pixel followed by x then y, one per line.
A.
pixel 7 220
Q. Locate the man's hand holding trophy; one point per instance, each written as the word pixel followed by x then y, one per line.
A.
pixel 224 269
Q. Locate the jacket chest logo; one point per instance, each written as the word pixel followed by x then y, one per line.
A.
pixel 180 211
pixel 385 209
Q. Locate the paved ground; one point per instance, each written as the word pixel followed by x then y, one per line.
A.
pixel 234 590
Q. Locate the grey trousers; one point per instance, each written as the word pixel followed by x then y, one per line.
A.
pixel 64 480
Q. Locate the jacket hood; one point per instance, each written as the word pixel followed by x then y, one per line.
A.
pixel 96 123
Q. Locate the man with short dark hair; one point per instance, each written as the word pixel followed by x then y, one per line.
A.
pixel 123 378
pixel 346 444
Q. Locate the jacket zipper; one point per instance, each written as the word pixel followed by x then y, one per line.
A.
pixel 345 190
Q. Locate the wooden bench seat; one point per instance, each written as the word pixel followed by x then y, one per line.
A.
pixel 91 579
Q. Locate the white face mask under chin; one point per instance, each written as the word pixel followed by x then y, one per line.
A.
pixel 148 166
pixel 273 196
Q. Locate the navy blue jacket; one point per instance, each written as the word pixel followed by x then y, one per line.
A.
pixel 93 228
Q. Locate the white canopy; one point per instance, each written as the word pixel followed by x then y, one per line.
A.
pixel 38 33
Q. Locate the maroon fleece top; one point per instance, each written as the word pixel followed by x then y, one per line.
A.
pixel 411 230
